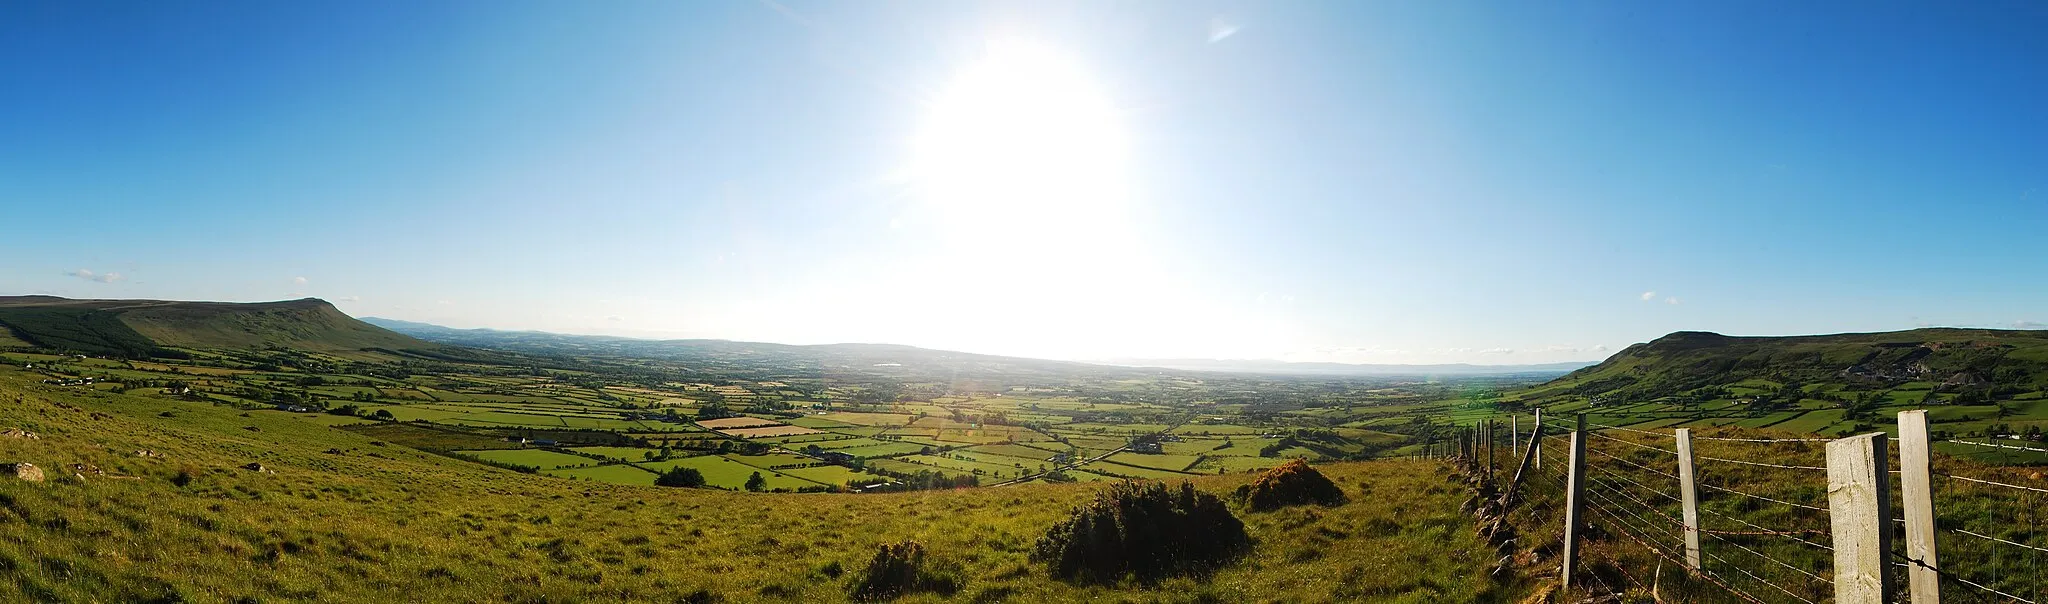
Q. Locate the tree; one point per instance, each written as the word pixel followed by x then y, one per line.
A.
pixel 682 477
pixel 384 415
pixel 756 482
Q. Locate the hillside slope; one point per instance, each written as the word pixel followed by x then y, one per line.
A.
pixel 1993 363
pixel 137 328
pixel 159 507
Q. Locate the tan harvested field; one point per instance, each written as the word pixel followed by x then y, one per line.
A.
pixel 737 422
pixel 781 430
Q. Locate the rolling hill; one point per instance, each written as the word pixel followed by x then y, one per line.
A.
pixel 1973 363
pixel 141 328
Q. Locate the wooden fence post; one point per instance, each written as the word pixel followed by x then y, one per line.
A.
pixel 1922 576
pixel 1508 495
pixel 1860 516
pixel 1688 499
pixel 1490 438
pixel 1514 435
pixel 1575 502
pixel 1537 441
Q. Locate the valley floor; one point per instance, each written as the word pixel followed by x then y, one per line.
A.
pixel 154 499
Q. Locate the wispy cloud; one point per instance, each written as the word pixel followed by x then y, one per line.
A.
pixel 1498 351
pixel 614 318
pixel 88 275
pixel 298 280
pixel 2029 325
pixel 350 298
pixel 1648 296
pixel 1599 348
pixel 1220 29
pixel 1673 301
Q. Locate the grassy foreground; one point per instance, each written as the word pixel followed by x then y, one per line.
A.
pixel 338 516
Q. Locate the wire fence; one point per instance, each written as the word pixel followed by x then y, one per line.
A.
pixel 1762 528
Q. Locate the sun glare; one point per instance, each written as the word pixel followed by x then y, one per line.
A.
pixel 1023 138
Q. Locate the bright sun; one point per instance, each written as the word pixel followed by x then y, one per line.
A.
pixel 1022 139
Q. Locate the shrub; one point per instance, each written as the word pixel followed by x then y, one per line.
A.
pixel 681 477
pixel 1142 529
pixel 1291 483
pixel 900 569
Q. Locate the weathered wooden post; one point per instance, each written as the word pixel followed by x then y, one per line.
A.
pixel 1488 435
pixel 1860 516
pixel 1922 574
pixel 1514 434
pixel 1575 502
pixel 1536 442
pixel 1688 498
pixel 1507 495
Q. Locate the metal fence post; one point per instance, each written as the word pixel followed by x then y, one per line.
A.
pixel 1915 488
pixel 1575 502
pixel 1688 498
pixel 1860 516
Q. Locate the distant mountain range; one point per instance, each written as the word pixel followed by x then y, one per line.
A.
pixel 1349 369
pixel 553 343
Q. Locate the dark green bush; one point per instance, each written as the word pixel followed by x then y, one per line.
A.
pixel 901 569
pixel 1292 483
pixel 1144 530
pixel 681 477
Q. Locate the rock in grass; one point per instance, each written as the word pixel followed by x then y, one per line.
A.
pixel 22 470
pixel 21 434
pixel 1292 483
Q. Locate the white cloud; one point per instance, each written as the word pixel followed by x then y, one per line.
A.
pixel 2029 325
pixel 1498 351
pixel 1561 348
pixel 350 298
pixel 1672 300
pixel 98 277
pixel 1600 348
pixel 298 280
pixel 1220 29
pixel 614 318
pixel 1648 296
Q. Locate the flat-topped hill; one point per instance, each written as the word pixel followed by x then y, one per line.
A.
pixel 136 328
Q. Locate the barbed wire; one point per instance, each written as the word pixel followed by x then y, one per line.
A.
pixel 1761 464
pixel 1762 440
pixel 1639 485
pixel 1997 446
pixel 1634 444
pixel 1755 496
pixel 1992 483
pixel 1637 465
pixel 1783 563
pixel 1635 430
pixel 1991 538
pixel 1704 573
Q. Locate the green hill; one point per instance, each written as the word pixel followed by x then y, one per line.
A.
pixel 2003 361
pixel 1978 382
pixel 140 328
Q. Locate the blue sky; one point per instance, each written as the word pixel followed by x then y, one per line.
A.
pixel 1390 182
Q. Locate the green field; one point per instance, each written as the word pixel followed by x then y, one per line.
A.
pixel 614 473
pixel 537 458
pixel 726 473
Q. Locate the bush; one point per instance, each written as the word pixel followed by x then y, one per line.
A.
pixel 1291 483
pixel 681 477
pixel 899 569
pixel 1142 529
